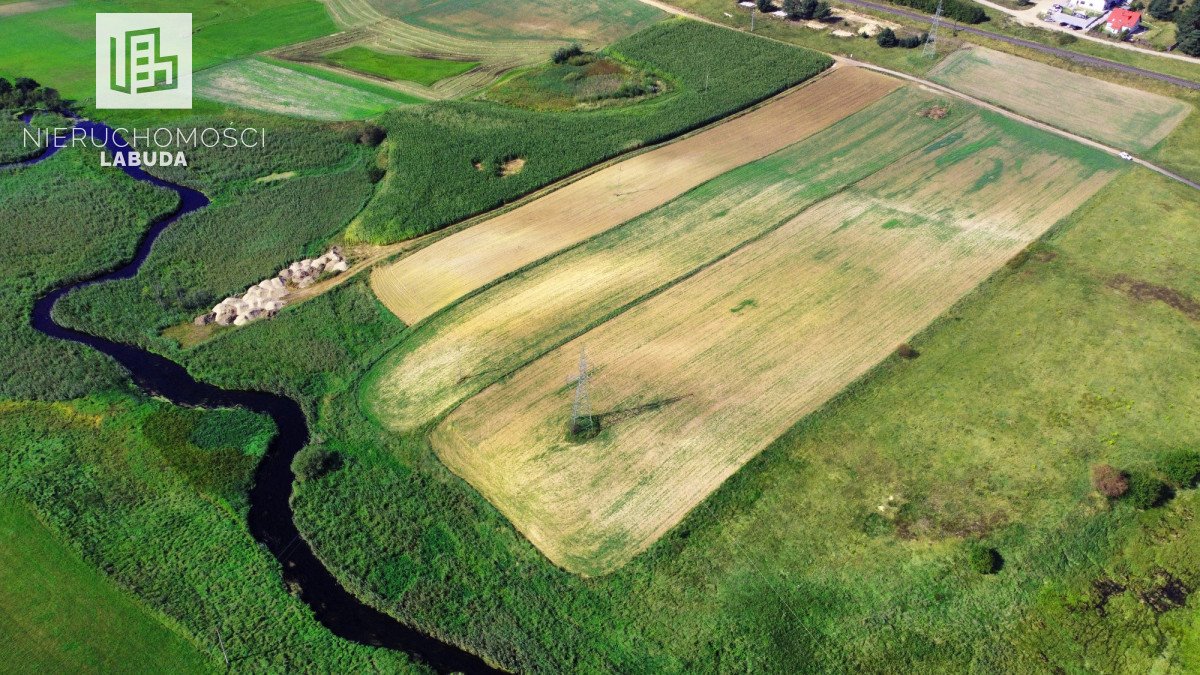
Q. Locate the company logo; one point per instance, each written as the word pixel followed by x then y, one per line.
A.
pixel 143 61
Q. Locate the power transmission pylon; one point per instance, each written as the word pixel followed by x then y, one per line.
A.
pixel 582 421
pixel 931 39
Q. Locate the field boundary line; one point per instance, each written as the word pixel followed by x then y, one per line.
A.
pixel 648 295
pixel 1097 145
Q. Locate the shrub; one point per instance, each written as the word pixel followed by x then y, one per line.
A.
pixel 1181 467
pixel 906 351
pixel 1108 481
pixel 313 462
pixel 1145 491
pixel 886 38
pixel 375 174
pixel 372 135
pixel 983 559
pixel 564 54
pixel 966 12
pixel 875 525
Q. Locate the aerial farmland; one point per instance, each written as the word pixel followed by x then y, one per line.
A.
pixel 599 336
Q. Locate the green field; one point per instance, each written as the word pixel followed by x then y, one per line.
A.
pixel 1119 116
pixel 68 617
pixel 222 32
pixel 259 85
pixel 585 81
pixel 434 181
pixel 988 434
pixel 398 66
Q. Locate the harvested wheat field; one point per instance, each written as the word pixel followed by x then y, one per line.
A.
pixel 432 278
pixel 692 383
pixel 1110 113
pixel 477 341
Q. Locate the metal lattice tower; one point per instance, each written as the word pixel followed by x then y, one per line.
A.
pixel 581 409
pixel 931 40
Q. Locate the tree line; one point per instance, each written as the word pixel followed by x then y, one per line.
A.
pixel 24 93
pixel 1187 23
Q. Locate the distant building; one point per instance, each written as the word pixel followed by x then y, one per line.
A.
pixel 1122 20
pixel 1093 6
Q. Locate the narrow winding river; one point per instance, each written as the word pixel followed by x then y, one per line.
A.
pixel 271 521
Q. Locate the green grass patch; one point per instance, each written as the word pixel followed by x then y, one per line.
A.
pixel 400 67
pixel 57 46
pixel 97 471
pixel 61 615
pixel 587 80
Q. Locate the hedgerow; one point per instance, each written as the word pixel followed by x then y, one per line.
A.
pixel 432 180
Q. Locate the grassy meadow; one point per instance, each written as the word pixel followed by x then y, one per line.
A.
pixel 222 32
pixel 397 66
pixel 1119 116
pixel 121 481
pixel 274 88
pixel 68 616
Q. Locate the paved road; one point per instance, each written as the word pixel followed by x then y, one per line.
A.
pixel 1062 53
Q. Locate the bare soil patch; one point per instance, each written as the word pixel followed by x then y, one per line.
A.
pixel 1145 291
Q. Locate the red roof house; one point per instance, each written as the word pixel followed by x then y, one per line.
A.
pixel 1123 20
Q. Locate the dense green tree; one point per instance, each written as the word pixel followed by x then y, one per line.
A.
pixel 764 5
pixel 794 8
pixel 886 38
pixel 1163 10
pixel 823 11
pixel 1188 23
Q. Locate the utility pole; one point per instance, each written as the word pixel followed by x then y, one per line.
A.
pixel 752 19
pixel 582 421
pixel 931 39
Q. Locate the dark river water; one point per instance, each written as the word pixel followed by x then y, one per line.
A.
pixel 271 521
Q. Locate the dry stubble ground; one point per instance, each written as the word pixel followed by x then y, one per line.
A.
pixel 1109 113
pixel 477 341
pixel 429 280
pixel 694 382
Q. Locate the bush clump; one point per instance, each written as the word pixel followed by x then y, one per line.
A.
pixel 983 559
pixel 1182 468
pixel 564 54
pixel 313 462
pixel 1145 491
pixel 1108 481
